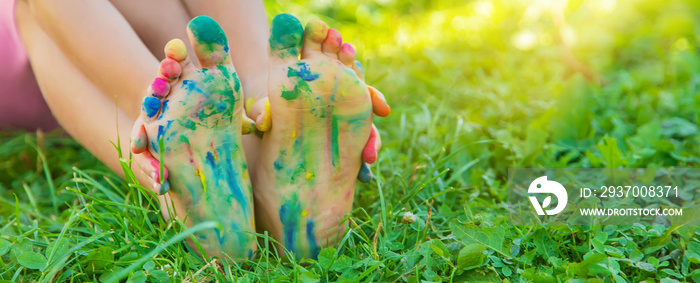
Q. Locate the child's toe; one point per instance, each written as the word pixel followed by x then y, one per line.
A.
pixel 314 35
pixel 346 55
pixel 286 35
pixel 332 43
pixel 208 42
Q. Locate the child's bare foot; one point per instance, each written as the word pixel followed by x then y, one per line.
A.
pixel 196 117
pixel 320 122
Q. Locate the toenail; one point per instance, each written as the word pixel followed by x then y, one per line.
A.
pixel 365 175
pixel 359 66
pixel 151 105
pixel 160 88
pixel 286 33
pixel 165 187
pixel 170 68
pixel 335 36
pixel 317 29
pixel 175 49
pixel 348 49
pixel 208 32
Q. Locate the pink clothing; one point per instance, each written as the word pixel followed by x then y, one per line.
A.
pixel 21 104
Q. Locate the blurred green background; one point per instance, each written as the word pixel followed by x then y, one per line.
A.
pixel 539 82
pixel 475 87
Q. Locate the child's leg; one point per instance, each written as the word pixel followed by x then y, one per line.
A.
pixel 82 108
pixel 155 21
pixel 99 42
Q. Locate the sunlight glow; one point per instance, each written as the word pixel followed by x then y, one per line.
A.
pixel 484 8
pixel 605 6
pixel 525 40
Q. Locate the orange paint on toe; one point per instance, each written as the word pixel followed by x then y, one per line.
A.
pixel 175 49
pixel 379 105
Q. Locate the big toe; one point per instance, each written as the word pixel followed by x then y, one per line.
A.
pixel 314 34
pixel 286 35
pixel 208 42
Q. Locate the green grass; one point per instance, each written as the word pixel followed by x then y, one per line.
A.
pixel 467 105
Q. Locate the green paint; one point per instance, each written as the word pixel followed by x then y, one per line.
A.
pixel 289 94
pixel 334 142
pixel 236 83
pixel 300 88
pixel 285 35
pixel 189 124
pixel 291 72
pixel 209 35
pixel 231 78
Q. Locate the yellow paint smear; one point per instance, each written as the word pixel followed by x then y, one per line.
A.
pixel 265 125
pixel 175 49
pixel 309 175
pixel 249 103
pixel 201 179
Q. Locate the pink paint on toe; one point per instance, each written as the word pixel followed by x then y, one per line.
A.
pixel 334 38
pixel 160 87
pixel 156 167
pixel 369 153
pixel 348 50
pixel 170 69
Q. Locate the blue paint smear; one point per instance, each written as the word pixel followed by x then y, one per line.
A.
pixel 220 236
pixel 161 135
pixel 162 129
pixel 165 108
pixel 234 227
pixel 151 105
pixel 359 66
pixel 313 246
pixel 288 216
pixel 221 106
pixel 278 165
pixel 224 170
pixel 365 175
pixel 304 73
pixel 192 86
pixel 250 253
pixel 278 162
pixel 210 160
pixel 233 181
